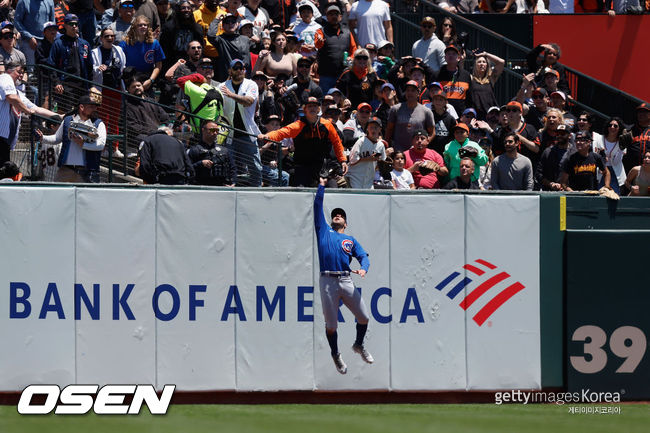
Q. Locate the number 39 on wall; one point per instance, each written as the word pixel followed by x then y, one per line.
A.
pixel 595 338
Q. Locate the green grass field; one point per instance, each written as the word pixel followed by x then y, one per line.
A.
pixel 400 418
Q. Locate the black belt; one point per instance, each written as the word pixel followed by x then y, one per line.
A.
pixel 75 167
pixel 335 273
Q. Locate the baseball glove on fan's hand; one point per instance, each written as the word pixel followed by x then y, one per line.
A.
pixel 331 169
pixel 385 167
pixel 468 152
pixel 428 167
pixel 610 194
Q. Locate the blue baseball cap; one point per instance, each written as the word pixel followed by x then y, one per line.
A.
pixel 390 86
pixel 71 18
pixel 5 24
pixel 469 110
pixel 334 90
pixel 235 61
pixel 435 84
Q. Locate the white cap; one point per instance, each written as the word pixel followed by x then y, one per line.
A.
pixel 383 43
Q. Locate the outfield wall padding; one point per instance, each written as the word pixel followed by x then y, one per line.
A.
pixel 218 290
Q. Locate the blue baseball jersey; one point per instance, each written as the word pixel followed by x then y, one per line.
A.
pixel 142 55
pixel 335 250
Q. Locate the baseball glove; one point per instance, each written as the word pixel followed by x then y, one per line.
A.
pixel 331 169
pixel 428 167
pixel 385 167
pixel 610 194
pixel 468 152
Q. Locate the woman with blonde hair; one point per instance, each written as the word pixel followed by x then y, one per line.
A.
pixel 486 72
pixel 548 134
pixel 143 52
pixel 358 81
pixel 278 60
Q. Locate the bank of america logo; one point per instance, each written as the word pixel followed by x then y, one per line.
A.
pixel 477 268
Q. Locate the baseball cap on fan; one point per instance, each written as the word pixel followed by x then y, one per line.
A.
pixel 583 136
pixel 70 18
pixel 333 7
pixel 87 100
pixel 383 44
pixel 235 62
pixel 304 5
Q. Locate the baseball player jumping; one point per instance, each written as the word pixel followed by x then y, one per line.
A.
pixel 335 252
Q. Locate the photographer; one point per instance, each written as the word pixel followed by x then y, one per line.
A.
pixel 212 163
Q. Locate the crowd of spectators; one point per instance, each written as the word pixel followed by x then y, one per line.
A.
pixel 282 93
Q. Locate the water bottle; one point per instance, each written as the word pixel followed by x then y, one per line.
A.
pixel 55 107
pixel 345 59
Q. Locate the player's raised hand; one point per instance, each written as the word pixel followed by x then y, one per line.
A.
pixel 323 181
pixel 361 272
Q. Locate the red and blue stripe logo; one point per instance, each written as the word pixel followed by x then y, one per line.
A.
pixel 487 276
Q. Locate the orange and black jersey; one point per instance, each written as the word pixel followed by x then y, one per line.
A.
pixel 357 88
pixel 639 145
pixel 60 11
pixel 456 85
pixel 313 142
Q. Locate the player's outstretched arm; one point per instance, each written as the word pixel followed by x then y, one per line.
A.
pixel 319 218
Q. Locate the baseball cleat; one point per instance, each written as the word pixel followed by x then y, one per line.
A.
pixel 365 355
pixel 340 365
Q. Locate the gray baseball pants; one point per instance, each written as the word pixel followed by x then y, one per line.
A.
pixel 334 288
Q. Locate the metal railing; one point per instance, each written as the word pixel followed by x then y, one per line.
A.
pixel 588 93
pixel 120 132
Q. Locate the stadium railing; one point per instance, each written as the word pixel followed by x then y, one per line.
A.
pixel 112 112
pixel 587 93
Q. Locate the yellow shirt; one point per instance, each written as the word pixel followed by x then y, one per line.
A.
pixel 204 16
